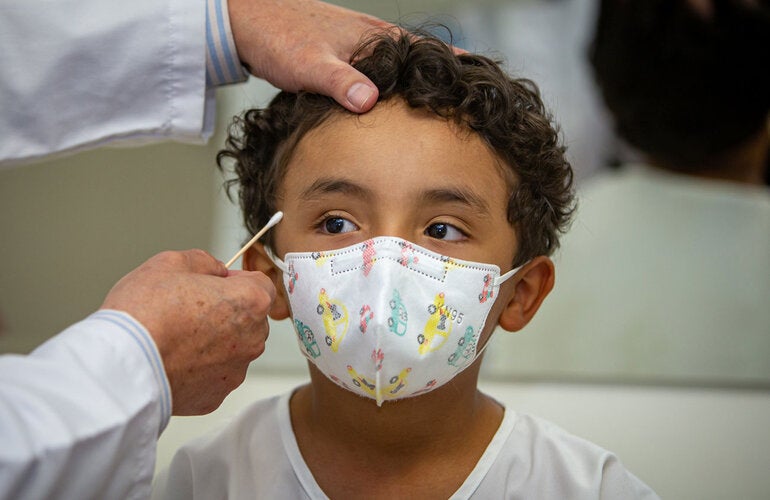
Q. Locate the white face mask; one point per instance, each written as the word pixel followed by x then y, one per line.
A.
pixel 388 319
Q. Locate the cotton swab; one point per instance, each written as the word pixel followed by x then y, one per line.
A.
pixel 275 219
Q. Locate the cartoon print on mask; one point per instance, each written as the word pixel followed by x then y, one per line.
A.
pixel 362 382
pixel 407 255
pixel 430 385
pixel 449 263
pixel 339 382
pixel 487 292
pixel 466 349
pixel 335 319
pixel 377 357
pixel 293 277
pixel 319 258
pixel 395 384
pixel 366 315
pixel 439 324
pixel 305 334
pixel 368 256
pixel 402 302
pixel 398 317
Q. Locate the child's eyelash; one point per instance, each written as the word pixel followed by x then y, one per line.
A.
pixel 449 224
pixel 326 216
pixel 454 225
pixel 321 223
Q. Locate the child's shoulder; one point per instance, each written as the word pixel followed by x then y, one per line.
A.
pixel 253 425
pixel 535 455
pixel 236 439
pixel 230 457
pixel 538 432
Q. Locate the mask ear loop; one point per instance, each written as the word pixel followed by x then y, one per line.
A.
pixel 276 260
pixel 496 283
pixel 504 277
pixel 275 219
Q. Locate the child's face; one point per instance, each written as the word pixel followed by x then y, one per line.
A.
pixel 396 172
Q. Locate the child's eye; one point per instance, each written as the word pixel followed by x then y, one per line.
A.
pixel 442 231
pixel 335 225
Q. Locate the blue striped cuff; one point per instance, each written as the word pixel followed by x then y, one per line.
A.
pixel 222 63
pixel 140 335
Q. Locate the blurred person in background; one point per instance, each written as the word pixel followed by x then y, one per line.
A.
pixel 667 262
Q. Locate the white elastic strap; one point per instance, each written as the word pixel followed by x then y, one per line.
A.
pixel 486 344
pixel 278 262
pixel 501 279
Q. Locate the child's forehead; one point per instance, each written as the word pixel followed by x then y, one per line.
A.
pixel 395 136
pixel 392 126
pixel 395 149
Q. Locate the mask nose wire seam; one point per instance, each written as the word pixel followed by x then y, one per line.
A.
pixel 385 292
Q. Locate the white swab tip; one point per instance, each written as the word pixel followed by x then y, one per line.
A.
pixel 275 219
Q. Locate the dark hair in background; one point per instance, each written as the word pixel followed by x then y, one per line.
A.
pixel 470 90
pixel 683 87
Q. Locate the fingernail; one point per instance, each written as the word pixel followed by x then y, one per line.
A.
pixel 359 94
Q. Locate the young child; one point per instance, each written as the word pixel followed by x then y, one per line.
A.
pixel 409 233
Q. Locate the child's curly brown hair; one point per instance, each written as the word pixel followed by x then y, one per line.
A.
pixel 471 90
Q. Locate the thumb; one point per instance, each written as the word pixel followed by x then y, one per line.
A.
pixel 346 85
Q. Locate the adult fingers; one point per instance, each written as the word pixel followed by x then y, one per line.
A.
pixel 258 278
pixel 193 261
pixel 346 85
pixel 202 262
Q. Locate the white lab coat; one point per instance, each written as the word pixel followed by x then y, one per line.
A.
pixel 80 416
pixel 77 74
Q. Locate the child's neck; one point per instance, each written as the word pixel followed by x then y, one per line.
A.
pixel 447 428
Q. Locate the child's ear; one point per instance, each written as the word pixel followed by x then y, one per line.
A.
pixel 256 259
pixel 535 282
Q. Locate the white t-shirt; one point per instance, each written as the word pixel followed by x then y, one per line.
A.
pixel 256 456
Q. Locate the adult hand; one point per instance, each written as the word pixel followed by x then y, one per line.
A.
pixel 207 322
pixel 305 45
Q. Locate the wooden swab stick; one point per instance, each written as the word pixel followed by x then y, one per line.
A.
pixel 275 219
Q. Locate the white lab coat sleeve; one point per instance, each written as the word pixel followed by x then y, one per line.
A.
pixel 80 415
pixel 77 74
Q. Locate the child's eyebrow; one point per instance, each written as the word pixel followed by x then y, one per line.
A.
pixel 329 185
pixel 456 195
pixel 333 185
